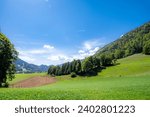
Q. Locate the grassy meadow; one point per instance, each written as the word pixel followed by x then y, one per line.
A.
pixel 20 77
pixel 130 79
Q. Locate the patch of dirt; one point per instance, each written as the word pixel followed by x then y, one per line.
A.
pixel 34 82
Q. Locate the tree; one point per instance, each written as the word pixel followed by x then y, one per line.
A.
pixel 119 54
pixel 58 71
pixel 78 66
pixel 96 62
pixel 8 55
pixel 103 60
pixel 87 65
pixel 146 49
pixel 52 70
pixel 106 60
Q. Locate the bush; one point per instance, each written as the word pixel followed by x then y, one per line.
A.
pixel 73 75
pixel 5 84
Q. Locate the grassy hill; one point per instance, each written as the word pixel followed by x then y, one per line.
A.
pixel 130 79
pixel 134 65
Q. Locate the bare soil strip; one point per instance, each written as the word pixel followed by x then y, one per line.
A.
pixel 34 82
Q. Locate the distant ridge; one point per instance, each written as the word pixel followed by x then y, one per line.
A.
pixel 24 67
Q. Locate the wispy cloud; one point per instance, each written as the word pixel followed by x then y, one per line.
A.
pixel 90 44
pixel 49 55
pixel 48 47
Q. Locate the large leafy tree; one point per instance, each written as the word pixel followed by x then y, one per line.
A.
pixel 8 55
pixel 87 65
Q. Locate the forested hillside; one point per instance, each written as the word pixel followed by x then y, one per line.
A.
pixel 136 41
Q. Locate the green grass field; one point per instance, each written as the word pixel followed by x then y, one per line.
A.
pixel 128 80
pixel 20 77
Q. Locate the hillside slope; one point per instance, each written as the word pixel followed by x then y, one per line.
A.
pixel 131 43
pixel 24 67
pixel 135 65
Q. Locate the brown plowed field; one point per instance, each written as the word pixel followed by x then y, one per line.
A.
pixel 33 82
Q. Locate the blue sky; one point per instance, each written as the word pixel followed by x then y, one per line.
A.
pixel 57 31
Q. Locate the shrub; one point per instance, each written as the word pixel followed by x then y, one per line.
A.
pixel 5 84
pixel 73 75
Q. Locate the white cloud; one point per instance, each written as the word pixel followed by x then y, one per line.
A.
pixel 86 53
pixel 48 47
pixel 121 36
pixel 45 50
pixel 38 51
pixel 81 51
pixel 88 45
pixel 93 51
pixel 59 58
pixel 26 58
pixel 89 48
pixel 50 55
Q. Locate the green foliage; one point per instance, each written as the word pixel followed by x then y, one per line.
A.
pixel 87 64
pixel 131 43
pixel 52 70
pixel 119 54
pixel 73 75
pixel 8 55
pixel 106 60
pixel 146 49
pixel 5 84
pixel 78 68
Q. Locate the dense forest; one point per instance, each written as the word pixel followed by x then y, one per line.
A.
pixel 136 41
pixel 89 66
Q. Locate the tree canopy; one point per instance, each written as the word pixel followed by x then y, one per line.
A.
pixel 89 66
pixel 8 55
pixel 135 41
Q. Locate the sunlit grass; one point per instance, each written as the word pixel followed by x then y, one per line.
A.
pixel 20 77
pixel 128 80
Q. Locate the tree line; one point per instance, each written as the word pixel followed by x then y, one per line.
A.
pixel 89 66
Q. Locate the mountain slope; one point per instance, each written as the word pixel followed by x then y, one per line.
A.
pixel 131 43
pixel 24 67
